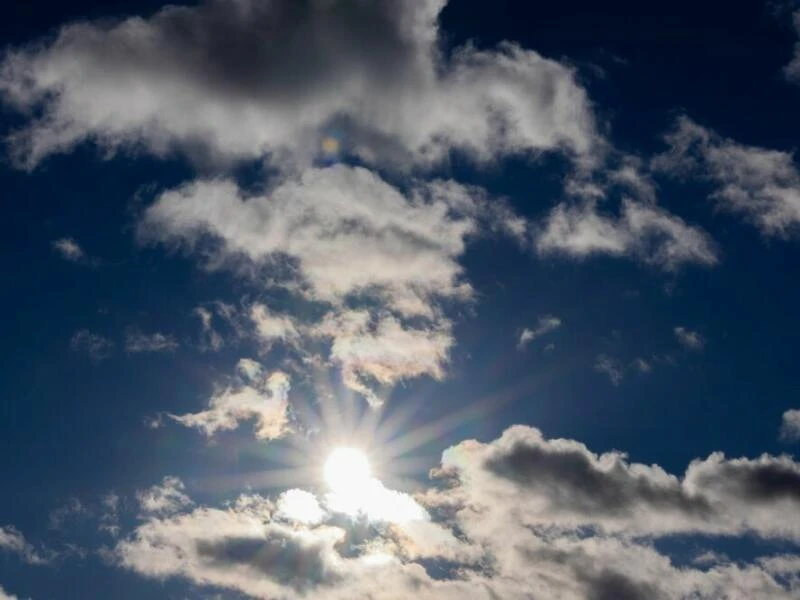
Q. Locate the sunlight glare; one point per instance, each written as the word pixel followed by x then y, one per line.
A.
pixel 347 471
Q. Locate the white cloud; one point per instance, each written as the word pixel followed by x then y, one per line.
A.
pixel 545 325
pixel 137 341
pixel 350 236
pixel 522 516
pixel 759 184
pixel 689 339
pixel 165 499
pixel 299 506
pixel 641 231
pixel 790 427
pixel 69 249
pixel 383 351
pixel 271 327
pixel 95 345
pixel 245 79
pixel 12 540
pixel 256 395
pixel 4 595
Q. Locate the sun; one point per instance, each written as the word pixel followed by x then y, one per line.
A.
pixel 347 471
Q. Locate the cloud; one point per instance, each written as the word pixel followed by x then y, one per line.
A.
pixel 641 231
pixel 545 325
pixel 761 185
pixel 256 395
pixel 790 427
pixel 165 499
pixel 689 339
pixel 136 342
pixel 792 70
pixel 381 260
pixel 4 595
pixel 244 79
pixel 12 540
pixel 69 249
pixel 521 516
pixel 610 367
pixel 382 351
pixel 95 345
pixel 271 327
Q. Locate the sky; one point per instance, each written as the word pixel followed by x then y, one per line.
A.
pixel 393 299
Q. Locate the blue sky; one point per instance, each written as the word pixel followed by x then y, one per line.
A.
pixel 536 264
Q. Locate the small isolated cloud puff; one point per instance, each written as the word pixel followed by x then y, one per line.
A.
pixel 69 249
pixel 258 396
pixel 790 426
pixel 136 342
pixel 545 325
pixel 250 79
pixel 692 340
pixel 94 345
pixel 761 185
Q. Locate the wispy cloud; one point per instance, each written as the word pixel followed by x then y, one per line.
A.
pixel 545 325
pixel 96 346
pixel 136 341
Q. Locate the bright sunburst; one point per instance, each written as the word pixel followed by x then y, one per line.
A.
pixel 347 471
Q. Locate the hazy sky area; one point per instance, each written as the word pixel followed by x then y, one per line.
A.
pixel 391 299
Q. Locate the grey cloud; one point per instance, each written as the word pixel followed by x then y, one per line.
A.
pixel 527 511
pixel 561 483
pixel 248 79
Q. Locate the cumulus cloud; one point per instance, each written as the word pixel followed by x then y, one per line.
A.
pixel 790 427
pixel 94 345
pixel 246 79
pixel 521 516
pixel 348 236
pixel 761 185
pixel 692 340
pixel 545 325
pixel 137 341
pixel 255 395
pixel 641 231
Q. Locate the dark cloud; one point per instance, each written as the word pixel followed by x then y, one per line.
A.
pixel 279 556
pixel 573 479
